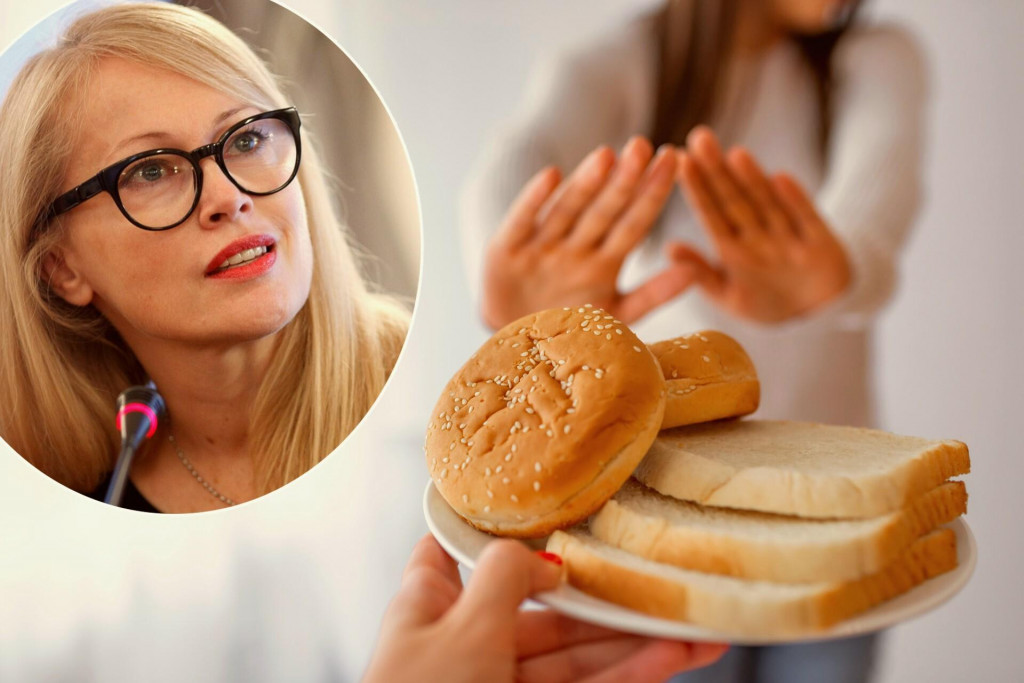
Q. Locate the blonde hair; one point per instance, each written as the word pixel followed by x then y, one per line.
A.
pixel 61 367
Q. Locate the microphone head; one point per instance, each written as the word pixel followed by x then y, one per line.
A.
pixel 139 410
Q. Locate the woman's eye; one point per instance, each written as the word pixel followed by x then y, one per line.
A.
pixel 247 142
pixel 146 172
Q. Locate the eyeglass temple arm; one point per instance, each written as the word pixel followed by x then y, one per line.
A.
pixel 76 196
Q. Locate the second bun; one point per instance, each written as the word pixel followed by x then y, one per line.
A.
pixel 709 377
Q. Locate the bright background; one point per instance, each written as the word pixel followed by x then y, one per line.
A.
pixel 294 584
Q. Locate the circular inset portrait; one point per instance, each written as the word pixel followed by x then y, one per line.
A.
pixel 209 243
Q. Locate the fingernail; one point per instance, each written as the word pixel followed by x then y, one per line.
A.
pixel 550 557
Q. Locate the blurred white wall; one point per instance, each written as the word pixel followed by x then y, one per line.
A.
pixel 949 351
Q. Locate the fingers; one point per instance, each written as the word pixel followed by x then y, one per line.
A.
pixel 795 202
pixel 659 660
pixel 710 278
pixel 428 554
pixel 576 662
pixel 430 585
pixel 543 631
pixel 575 195
pixel 645 207
pixel 626 659
pixel 702 147
pixel 755 184
pixel 521 219
pixel 702 201
pixel 506 574
pixel 615 196
pixel 660 289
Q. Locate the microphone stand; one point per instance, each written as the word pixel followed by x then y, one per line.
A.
pixel 139 409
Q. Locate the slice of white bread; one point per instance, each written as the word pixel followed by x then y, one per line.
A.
pixel 756 545
pixel 738 606
pixel 798 468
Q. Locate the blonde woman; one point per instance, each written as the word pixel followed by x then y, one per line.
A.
pixel 227 283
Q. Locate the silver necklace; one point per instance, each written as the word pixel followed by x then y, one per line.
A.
pixel 198 477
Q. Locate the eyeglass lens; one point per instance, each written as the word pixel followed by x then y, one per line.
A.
pixel 160 189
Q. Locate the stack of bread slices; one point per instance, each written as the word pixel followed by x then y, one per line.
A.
pixel 760 528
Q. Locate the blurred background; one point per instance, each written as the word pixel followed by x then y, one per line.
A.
pixel 294 583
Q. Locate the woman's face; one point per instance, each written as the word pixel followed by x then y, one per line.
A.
pixel 175 284
pixel 810 17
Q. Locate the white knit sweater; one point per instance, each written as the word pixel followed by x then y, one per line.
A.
pixel 816 368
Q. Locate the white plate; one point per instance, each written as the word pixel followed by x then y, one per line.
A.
pixel 465 543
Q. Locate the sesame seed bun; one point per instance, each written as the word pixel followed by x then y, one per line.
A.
pixel 545 422
pixel 709 377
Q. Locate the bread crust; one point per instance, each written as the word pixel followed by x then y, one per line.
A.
pixel 735 543
pixel 798 468
pixel 709 376
pixel 545 422
pixel 736 606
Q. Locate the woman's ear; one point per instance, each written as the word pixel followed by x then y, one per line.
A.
pixel 65 279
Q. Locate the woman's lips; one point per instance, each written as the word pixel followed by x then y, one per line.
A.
pixel 244 258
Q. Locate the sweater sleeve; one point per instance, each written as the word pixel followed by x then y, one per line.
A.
pixel 575 101
pixel 872 188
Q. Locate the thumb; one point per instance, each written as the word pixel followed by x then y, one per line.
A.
pixel 660 289
pixel 707 276
pixel 507 573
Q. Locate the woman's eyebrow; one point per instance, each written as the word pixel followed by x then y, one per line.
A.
pixel 218 121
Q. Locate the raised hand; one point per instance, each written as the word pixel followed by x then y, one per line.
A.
pixel 436 631
pixel 563 243
pixel 777 258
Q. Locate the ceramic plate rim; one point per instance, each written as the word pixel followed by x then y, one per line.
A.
pixel 444 523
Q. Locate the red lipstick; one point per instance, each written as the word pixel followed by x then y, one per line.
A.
pixel 244 258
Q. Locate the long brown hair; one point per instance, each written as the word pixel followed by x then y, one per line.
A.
pixel 693 41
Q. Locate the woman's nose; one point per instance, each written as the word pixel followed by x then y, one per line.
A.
pixel 220 200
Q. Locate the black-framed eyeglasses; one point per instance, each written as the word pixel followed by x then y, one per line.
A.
pixel 160 188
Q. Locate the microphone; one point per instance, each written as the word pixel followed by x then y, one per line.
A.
pixel 139 410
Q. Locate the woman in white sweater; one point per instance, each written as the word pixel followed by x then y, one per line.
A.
pixel 796 266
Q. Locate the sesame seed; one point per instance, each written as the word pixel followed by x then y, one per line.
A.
pixel 586 367
pixel 451 446
pixel 608 336
pixel 536 486
pixel 444 473
pixel 516 345
pixel 497 470
pixel 618 331
pixel 533 377
pixel 462 426
pixel 529 411
pixel 567 428
pixel 465 498
pixel 706 359
pixel 487 471
pixel 514 448
pixel 637 349
pixel 514 498
pixel 570 411
pixel 487 508
pixel 506 480
pixel 536 466
pixel 445 460
pixel 490 493
pixel 508 457
pixel 524 353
